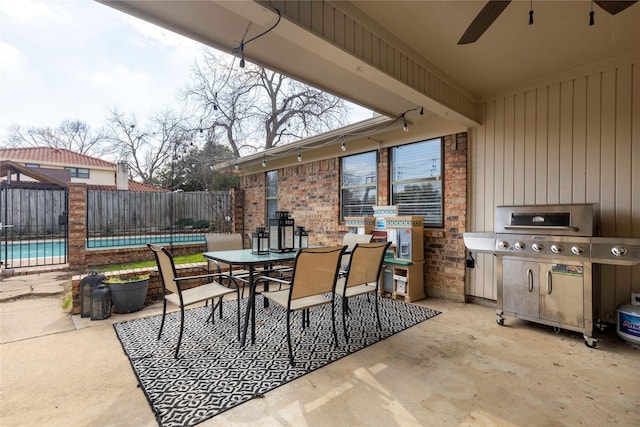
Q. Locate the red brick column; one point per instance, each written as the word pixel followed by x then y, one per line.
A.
pixel 444 249
pixel 77 225
pixel 384 189
pixel 237 219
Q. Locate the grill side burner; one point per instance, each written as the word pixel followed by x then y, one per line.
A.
pixel 548 260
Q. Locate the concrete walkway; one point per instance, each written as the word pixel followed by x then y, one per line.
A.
pixel 33 285
pixel 458 368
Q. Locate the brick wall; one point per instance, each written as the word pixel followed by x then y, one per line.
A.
pixel 444 249
pixel 311 192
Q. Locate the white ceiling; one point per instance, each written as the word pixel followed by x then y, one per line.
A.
pixel 509 54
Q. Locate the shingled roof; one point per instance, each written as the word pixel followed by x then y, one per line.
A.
pixel 51 155
pixel 135 186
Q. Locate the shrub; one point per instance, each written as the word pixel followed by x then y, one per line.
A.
pixel 201 223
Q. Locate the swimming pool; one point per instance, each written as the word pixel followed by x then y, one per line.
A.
pixel 58 248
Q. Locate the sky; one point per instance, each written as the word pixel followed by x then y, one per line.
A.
pixel 78 59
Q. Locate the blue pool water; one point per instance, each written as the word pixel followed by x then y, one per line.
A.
pixel 57 248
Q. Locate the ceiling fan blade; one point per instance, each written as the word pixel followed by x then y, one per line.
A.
pixel 614 7
pixel 485 18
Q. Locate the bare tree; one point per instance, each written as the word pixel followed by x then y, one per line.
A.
pixel 150 147
pixel 257 108
pixel 73 135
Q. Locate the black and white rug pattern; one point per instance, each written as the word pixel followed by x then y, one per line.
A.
pixel 214 374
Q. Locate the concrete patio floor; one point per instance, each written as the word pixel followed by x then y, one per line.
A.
pixel 459 368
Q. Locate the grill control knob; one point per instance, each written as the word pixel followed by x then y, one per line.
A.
pixel 503 244
pixel 619 251
pixel 577 250
pixel 556 249
pixel 519 246
pixel 537 247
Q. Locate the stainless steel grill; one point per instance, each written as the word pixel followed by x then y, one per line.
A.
pixel 547 263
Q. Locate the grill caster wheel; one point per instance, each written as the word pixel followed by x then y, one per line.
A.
pixel 500 321
pixel 591 343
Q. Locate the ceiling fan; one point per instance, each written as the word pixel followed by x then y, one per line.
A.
pixel 494 8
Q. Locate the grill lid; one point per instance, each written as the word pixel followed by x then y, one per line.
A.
pixel 561 220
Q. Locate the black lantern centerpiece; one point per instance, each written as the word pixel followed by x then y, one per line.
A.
pixel 100 302
pixel 301 239
pixel 260 241
pixel 281 232
pixel 87 285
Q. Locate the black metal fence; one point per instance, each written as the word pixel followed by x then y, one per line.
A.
pixel 125 218
pixel 33 226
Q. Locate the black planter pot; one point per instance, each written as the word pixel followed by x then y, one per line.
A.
pixel 128 297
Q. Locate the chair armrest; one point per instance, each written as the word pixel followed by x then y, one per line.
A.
pixel 273 279
pixel 178 280
pixel 216 263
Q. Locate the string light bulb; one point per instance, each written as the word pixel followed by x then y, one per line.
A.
pixel 299 156
pixel 591 19
pixel 235 166
pixel 264 163
pixel 531 13
pixel 405 127
pixel 422 111
pixel 343 147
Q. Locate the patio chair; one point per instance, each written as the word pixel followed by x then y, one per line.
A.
pixel 313 283
pixel 350 240
pixel 226 242
pixel 362 277
pixel 173 292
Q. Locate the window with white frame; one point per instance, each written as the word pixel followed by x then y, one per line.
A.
pixel 271 194
pixel 358 184
pixel 416 180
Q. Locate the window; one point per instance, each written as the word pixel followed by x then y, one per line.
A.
pixel 358 185
pixel 272 194
pixel 78 172
pixel 32 165
pixel 416 180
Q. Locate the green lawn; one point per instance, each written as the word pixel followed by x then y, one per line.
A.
pixel 184 259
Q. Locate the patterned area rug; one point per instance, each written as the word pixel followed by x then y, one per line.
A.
pixel 215 374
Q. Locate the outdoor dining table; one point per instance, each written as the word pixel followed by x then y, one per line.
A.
pixel 244 257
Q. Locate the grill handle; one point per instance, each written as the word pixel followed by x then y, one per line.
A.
pixel 549 282
pixel 541 227
pixel 530 279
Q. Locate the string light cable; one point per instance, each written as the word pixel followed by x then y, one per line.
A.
pixel 397 118
pixel 243 42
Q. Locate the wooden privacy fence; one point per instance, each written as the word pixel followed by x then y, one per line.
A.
pixel 33 213
pixel 126 213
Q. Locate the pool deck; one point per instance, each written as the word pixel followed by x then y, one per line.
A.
pixel 34 282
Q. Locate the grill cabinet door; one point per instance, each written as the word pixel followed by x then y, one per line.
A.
pixel 561 294
pixel 520 288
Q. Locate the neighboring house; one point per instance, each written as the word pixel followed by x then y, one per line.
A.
pixel 59 166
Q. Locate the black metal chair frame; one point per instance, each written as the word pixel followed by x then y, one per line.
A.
pixel 202 293
pixel 310 295
pixel 362 272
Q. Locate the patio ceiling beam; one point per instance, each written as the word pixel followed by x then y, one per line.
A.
pixel 389 79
